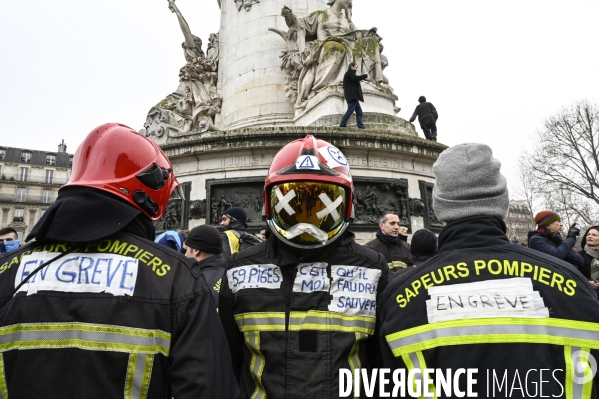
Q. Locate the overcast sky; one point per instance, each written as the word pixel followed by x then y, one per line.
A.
pixel 493 69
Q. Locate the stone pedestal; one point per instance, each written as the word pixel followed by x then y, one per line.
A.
pixel 328 107
pixel 229 169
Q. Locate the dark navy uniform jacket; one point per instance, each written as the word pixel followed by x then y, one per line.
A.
pixel 500 308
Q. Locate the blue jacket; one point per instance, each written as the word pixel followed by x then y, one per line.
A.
pixel 559 248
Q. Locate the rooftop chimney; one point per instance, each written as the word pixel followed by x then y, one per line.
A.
pixel 62 147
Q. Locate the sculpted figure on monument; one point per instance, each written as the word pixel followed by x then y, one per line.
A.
pixel 195 102
pixel 325 43
pixel 247 4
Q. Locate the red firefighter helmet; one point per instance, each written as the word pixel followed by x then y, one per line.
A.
pixel 117 159
pixel 308 194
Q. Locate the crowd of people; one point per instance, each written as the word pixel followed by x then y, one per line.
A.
pixel 220 313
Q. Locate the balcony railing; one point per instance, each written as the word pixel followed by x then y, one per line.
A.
pixel 31 199
pixel 32 179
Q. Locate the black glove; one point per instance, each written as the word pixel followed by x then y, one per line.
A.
pixel 573 232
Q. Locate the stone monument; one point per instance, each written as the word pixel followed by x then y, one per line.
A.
pixel 272 74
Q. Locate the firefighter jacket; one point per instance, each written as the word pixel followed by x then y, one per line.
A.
pixel 293 321
pixel 398 256
pixel 503 309
pixel 123 317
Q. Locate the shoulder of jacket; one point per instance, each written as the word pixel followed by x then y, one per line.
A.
pixel 252 255
pixel 363 253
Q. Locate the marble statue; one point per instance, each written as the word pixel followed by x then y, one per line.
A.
pixel 191 108
pixel 247 4
pixel 320 47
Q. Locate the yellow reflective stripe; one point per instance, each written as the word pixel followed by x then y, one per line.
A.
pixel 311 320
pixel 587 388
pixel 354 357
pixel 84 336
pixel 130 373
pixel 422 362
pixel 416 361
pixel 397 264
pixel 330 321
pixel 495 330
pixel 252 341
pixel 3 387
pixel 139 371
pixel 573 389
pixel 233 241
pixel 261 321
pixel 409 365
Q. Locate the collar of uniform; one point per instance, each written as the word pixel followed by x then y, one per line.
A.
pixel 215 261
pixel 473 232
pixel 82 214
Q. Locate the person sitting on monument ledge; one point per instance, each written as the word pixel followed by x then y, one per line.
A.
pixel 352 90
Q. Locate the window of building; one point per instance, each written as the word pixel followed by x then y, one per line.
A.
pixel 50 159
pixel 49 175
pixel 21 194
pixel 47 196
pixel 71 160
pixel 19 212
pixel 25 156
pixel 23 174
pixel 2 154
pixel 42 211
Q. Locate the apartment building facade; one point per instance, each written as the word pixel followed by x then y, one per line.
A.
pixel 519 221
pixel 29 183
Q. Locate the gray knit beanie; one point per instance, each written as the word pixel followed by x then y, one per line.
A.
pixel 469 183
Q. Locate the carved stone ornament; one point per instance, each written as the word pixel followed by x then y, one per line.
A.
pixel 416 207
pixel 246 193
pixel 191 108
pixel 375 197
pixel 172 217
pixel 320 48
pixel 245 4
pixel 431 221
pixel 197 209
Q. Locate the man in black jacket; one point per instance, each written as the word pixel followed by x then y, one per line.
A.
pixel 387 242
pixel 352 91
pixel 486 306
pixel 427 117
pixel 94 308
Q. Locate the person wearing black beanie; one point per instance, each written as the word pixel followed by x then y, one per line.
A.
pixel 233 224
pixel 202 244
pixel 423 246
